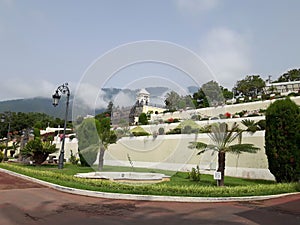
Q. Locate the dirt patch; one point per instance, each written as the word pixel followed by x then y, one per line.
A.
pixel 114 209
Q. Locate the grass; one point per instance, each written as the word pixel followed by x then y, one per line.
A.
pixel 179 185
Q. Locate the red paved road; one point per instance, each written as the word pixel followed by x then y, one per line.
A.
pixel 26 203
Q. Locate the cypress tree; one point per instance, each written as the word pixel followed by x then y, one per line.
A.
pixel 282 140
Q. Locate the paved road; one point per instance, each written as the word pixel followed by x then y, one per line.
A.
pixel 25 203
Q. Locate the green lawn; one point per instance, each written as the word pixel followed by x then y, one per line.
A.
pixel 179 185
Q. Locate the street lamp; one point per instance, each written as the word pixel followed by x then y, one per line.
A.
pixel 62 89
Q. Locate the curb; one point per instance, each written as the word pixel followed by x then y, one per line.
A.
pixel 136 197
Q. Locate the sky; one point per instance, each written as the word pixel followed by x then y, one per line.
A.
pixel 44 44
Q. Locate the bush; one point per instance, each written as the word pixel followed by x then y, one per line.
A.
pixel 161 131
pixel 174 131
pixel 194 175
pixel 73 159
pixel 195 117
pixel 282 140
pixel 143 119
pixel 140 133
pixel 38 150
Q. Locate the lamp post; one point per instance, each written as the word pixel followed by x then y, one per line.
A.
pixel 62 89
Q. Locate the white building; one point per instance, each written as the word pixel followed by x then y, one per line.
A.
pixel 284 88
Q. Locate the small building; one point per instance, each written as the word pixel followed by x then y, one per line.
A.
pixel 284 88
pixel 131 114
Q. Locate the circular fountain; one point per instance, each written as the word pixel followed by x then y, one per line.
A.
pixel 126 177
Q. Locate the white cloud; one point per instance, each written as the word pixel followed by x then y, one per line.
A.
pixel 227 53
pixel 19 88
pixel 90 95
pixel 124 99
pixel 196 6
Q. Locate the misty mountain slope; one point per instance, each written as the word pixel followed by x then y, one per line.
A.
pixel 126 97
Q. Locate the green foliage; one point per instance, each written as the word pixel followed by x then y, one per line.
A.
pixel 185 127
pixel 139 131
pixel 73 159
pixel 199 99
pixel 176 130
pixel 38 150
pixel 88 141
pixel 179 185
pixel 172 100
pixel 282 140
pixel 143 119
pixel 21 121
pixel 87 133
pixel 88 155
pixel 92 136
pixel 195 174
pixel 250 86
pixel 213 93
pixel 175 102
pixel 1 156
pixel 106 135
pixel 222 138
pixel 291 75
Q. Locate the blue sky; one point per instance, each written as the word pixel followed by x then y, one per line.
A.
pixel 46 43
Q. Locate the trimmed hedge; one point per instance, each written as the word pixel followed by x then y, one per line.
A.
pixel 282 139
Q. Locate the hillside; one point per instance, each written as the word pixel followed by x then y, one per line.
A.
pixel 44 105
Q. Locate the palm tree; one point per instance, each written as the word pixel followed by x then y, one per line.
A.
pixel 223 139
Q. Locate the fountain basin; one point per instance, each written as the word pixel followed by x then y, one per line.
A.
pixel 126 177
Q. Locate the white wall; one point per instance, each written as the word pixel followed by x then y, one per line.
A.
pixel 171 152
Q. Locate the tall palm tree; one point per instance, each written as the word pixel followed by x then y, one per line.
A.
pixel 223 138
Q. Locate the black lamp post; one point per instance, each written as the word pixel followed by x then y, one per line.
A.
pixel 62 89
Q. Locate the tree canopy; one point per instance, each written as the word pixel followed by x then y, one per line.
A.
pixel 291 75
pixel 175 102
pixel 21 121
pixel 211 93
pixel 250 86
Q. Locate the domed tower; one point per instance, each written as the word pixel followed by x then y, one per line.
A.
pixel 143 97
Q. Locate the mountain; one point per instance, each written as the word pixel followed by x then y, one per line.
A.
pixel 38 104
pixel 44 105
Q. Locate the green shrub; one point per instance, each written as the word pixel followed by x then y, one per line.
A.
pixel 195 175
pixel 73 159
pixel 195 117
pixel 176 130
pixel 141 133
pixel 282 140
pixel 161 131
pixel 38 150
pixel 143 119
